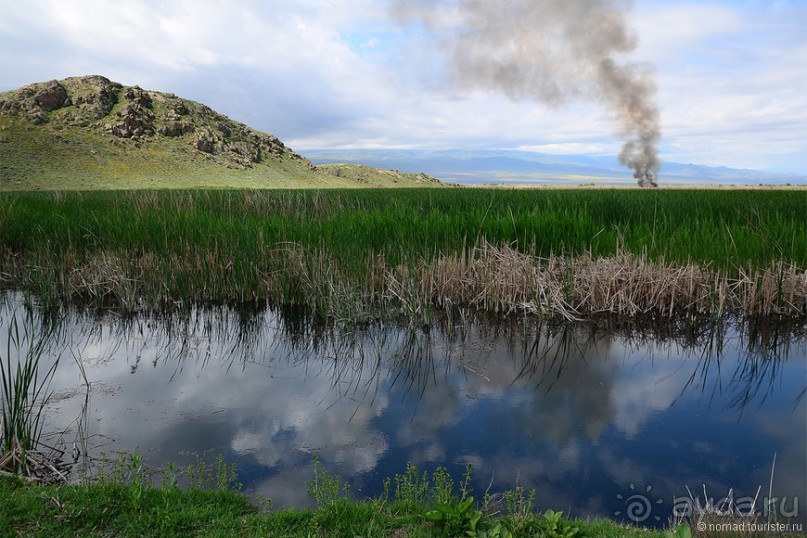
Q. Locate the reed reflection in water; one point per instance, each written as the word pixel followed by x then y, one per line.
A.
pixel 578 411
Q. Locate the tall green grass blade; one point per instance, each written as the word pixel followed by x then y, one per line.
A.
pixel 24 386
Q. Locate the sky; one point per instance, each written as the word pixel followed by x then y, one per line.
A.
pixel 730 75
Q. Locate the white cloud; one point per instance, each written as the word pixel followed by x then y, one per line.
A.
pixel 730 78
pixel 346 74
pixel 567 148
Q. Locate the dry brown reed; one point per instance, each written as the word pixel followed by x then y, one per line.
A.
pixel 501 279
pixel 34 466
pixel 487 277
pixel 493 278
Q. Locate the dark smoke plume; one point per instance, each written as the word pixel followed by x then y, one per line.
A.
pixel 552 51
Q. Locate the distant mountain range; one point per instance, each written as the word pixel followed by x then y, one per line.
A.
pixel 525 168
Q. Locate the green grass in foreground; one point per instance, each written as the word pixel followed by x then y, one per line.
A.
pixel 215 245
pixel 124 503
pixel 419 507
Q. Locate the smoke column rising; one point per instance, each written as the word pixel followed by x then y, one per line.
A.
pixel 552 51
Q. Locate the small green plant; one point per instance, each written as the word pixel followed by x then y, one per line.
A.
pixel 226 476
pixel 443 488
pixel 135 466
pixel 412 488
pixel 326 489
pixel 221 476
pixel 459 518
pixel 126 470
pixel 130 470
pixel 519 503
pixel 554 526
pixel 516 511
pixel 453 515
pixel 197 472
pixel 169 477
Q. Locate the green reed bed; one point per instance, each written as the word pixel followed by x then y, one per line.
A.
pixel 23 396
pixel 343 250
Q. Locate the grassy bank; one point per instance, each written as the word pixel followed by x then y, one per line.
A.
pixel 414 505
pixel 345 253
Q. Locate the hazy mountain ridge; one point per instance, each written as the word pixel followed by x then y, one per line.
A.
pixel 514 167
pixel 90 132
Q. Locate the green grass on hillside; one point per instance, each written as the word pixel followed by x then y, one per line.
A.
pixel 79 159
pixel 92 133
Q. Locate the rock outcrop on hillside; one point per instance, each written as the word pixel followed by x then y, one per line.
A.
pixel 90 133
pixel 131 113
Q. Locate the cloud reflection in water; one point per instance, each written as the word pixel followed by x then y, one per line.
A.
pixel 576 411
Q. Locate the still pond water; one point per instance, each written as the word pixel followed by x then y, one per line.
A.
pixel 599 420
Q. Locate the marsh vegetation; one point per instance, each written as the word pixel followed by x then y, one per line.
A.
pixel 455 304
pixel 360 254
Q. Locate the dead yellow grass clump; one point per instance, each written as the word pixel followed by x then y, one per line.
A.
pixel 492 278
pixel 501 279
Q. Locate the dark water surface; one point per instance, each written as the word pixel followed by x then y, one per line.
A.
pixel 599 420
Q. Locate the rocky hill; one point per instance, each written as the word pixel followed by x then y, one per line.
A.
pixel 89 132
